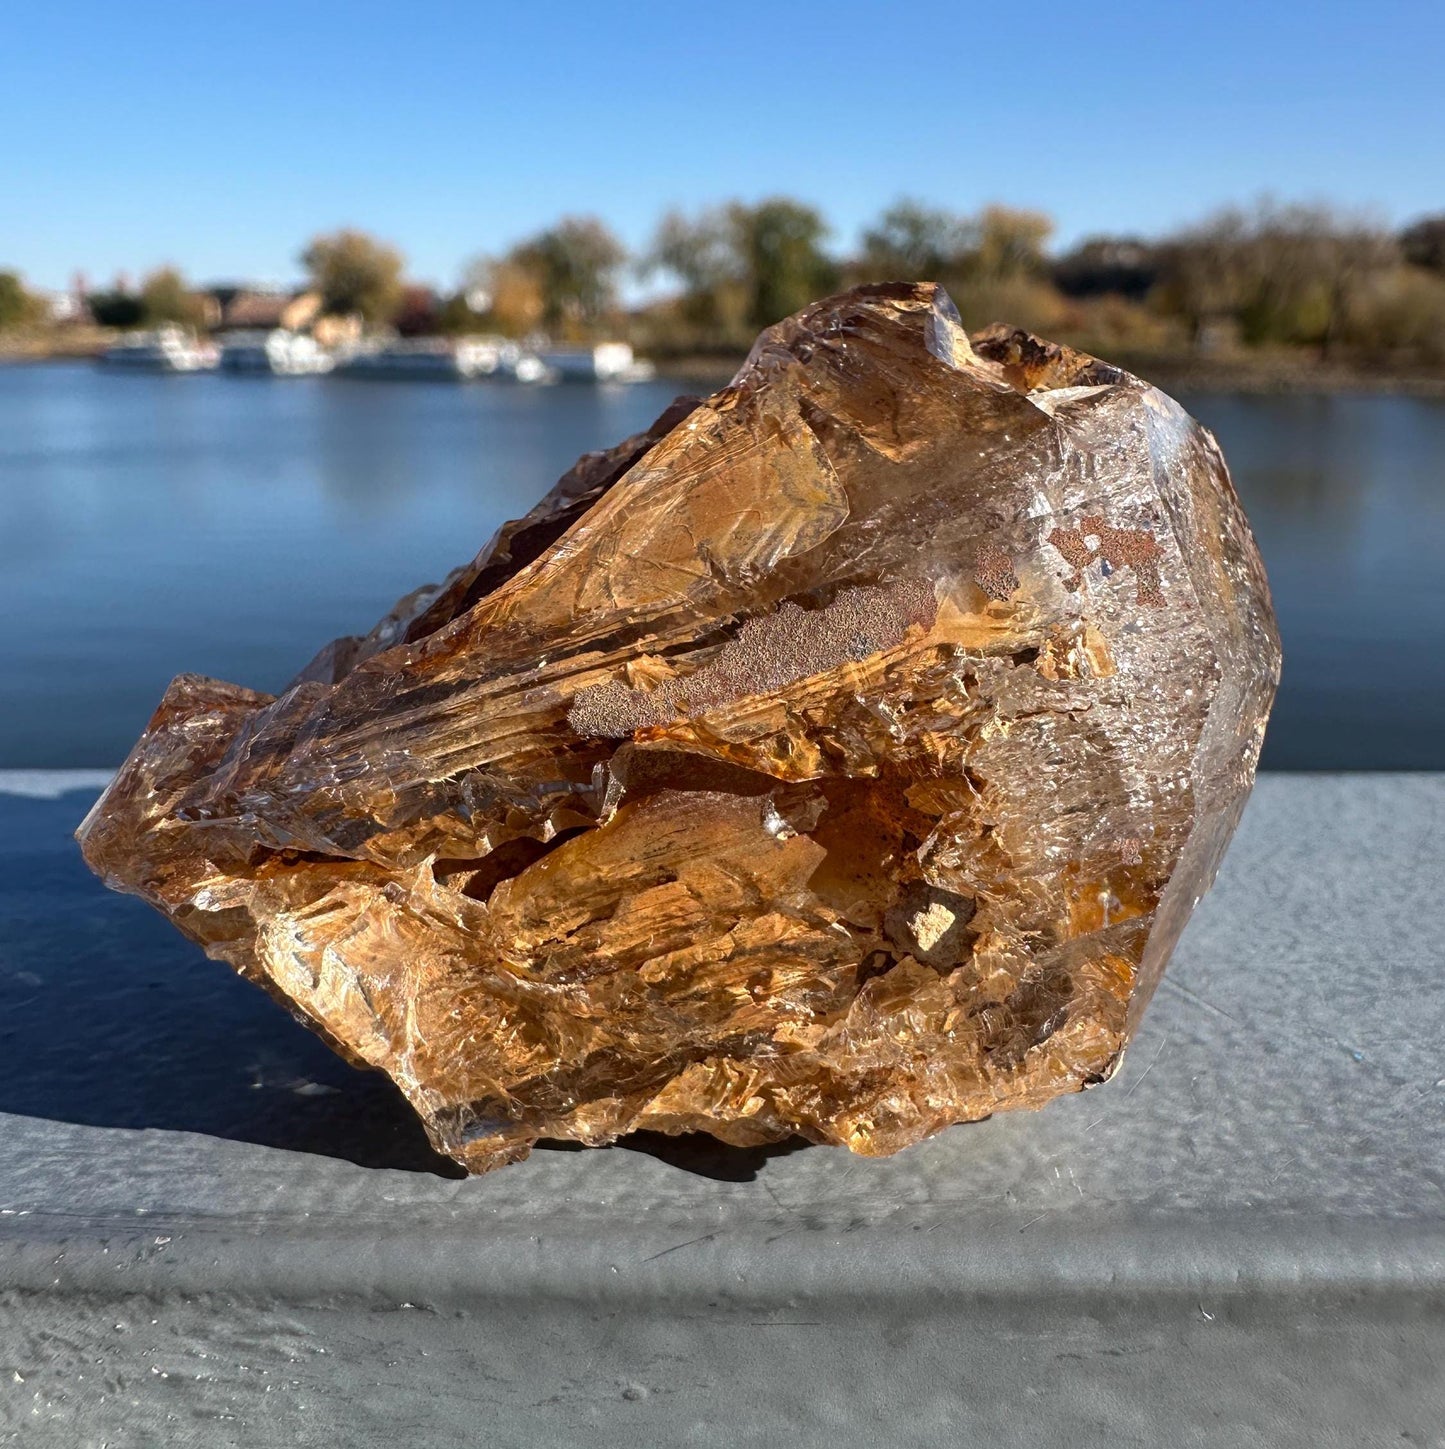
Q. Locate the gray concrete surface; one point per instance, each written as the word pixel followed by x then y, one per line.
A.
pixel 1240 1240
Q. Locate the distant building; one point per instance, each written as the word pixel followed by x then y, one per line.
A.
pixel 334 331
pixel 1108 266
pixel 419 313
pixel 260 309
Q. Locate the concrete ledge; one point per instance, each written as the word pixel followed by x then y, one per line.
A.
pixel 1240 1239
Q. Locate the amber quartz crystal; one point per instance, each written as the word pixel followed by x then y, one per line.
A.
pixel 841 757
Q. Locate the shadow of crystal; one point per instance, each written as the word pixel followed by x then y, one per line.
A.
pixel 108 1018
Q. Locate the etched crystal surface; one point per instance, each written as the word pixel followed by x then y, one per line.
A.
pixel 841 757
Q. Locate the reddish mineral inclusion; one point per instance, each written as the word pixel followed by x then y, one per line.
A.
pixel 843 757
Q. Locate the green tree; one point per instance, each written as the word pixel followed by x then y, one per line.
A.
pixel 164 297
pixel 355 273
pixel 1423 243
pixel 993 263
pixel 779 247
pixel 917 243
pixel 912 242
pixel 1284 274
pixel 17 306
pixel 1399 312
pixel 458 318
pixel 575 264
pixel 743 267
pixel 116 308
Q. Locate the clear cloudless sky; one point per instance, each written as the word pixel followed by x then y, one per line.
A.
pixel 220 136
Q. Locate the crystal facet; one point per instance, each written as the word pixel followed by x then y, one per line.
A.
pixel 841 757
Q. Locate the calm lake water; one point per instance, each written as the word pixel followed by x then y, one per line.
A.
pixel 150 525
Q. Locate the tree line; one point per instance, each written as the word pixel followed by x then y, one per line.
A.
pixel 1272 276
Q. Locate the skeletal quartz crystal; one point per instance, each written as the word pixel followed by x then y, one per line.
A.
pixel 841 757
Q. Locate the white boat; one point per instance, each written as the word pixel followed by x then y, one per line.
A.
pixel 487 356
pixel 528 367
pixel 168 348
pixel 278 351
pixel 605 362
pixel 431 358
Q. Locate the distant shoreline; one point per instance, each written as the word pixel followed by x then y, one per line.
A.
pixel 1279 376
pixel 1273 374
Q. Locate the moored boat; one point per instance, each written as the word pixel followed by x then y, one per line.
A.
pixel 277 351
pixel 431 359
pixel 528 367
pixel 603 362
pixel 168 348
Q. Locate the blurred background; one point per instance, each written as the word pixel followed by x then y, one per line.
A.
pixel 298 303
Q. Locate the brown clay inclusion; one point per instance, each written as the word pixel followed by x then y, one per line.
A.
pixel 843 757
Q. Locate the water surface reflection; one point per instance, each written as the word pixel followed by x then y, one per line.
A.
pixel 150 525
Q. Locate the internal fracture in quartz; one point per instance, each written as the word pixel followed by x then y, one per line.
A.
pixel 841 757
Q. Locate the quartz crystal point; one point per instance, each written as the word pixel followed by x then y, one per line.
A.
pixel 841 757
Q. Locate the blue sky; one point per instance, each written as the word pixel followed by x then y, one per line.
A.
pixel 220 137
